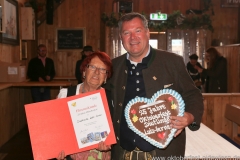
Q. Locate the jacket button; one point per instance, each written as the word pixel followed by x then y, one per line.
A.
pixel 118 121
pixel 120 104
pixel 117 138
pixel 123 87
pixel 126 71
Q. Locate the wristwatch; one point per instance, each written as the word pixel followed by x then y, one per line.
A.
pixel 193 125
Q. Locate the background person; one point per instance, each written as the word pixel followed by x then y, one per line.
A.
pixel 87 50
pixel 216 72
pixel 41 69
pixel 95 69
pixel 143 71
pixel 195 75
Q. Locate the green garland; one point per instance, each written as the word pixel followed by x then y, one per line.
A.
pixel 176 20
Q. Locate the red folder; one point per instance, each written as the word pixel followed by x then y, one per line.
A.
pixel 51 129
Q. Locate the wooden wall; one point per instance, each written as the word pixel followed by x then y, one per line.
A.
pixel 232 54
pixel 214 110
pixel 10 53
pixel 12 113
pixel 87 13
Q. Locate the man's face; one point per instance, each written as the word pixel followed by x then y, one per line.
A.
pixel 87 53
pixel 193 62
pixel 135 39
pixel 42 52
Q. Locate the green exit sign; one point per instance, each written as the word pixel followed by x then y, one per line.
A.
pixel 158 16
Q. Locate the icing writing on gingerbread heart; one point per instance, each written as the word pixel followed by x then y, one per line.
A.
pixel 150 118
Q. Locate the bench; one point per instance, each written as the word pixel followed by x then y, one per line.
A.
pixel 232 113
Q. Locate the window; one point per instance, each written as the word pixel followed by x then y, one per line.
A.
pixel 177 46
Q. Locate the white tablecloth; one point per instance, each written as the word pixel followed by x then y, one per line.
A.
pixel 205 143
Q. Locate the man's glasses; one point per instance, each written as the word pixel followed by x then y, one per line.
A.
pixel 93 68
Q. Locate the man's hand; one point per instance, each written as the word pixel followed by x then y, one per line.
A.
pixel 198 68
pixel 48 78
pixel 40 79
pixel 180 123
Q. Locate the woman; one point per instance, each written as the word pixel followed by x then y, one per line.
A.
pixel 216 72
pixel 95 69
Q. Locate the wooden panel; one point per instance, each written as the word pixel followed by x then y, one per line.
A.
pixel 27 20
pixel 12 118
pixel 75 15
pixel 161 40
pixel 87 13
pixel 232 54
pixel 214 110
pixel 224 22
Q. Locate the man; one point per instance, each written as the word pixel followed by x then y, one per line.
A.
pixel 41 69
pixel 142 72
pixel 87 50
pixel 196 77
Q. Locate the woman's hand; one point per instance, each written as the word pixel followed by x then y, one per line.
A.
pixel 61 156
pixel 103 147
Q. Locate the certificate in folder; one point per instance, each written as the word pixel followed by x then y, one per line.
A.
pixel 73 124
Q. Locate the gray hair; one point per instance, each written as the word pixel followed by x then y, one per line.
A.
pixel 130 16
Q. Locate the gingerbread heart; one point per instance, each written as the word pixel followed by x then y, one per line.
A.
pixel 150 118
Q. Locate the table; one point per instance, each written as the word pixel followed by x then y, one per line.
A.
pixel 205 143
pixel 4 85
pixel 69 78
pixel 43 84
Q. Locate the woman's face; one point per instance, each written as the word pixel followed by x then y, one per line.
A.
pixel 207 57
pixel 94 73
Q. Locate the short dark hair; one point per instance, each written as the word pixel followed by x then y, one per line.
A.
pixel 130 16
pixel 41 45
pixel 104 57
pixel 87 48
pixel 193 56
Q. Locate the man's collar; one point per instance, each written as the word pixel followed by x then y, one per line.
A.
pixel 43 58
pixel 135 63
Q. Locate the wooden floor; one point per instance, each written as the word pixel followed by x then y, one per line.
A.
pixel 17 148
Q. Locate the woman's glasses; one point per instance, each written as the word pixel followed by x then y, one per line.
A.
pixel 93 68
